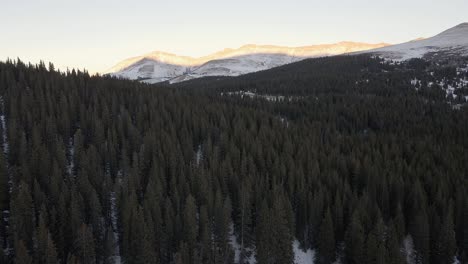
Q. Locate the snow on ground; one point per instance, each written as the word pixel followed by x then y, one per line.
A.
pixel 199 155
pixel 238 248
pixel 301 256
pixel 408 250
pixel 416 83
pixel 240 65
pixel 284 121
pixel 270 98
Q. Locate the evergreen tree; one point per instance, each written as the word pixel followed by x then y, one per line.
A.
pixel 4 184
pixel 345 164
pixel 190 225
pixel 326 239
pixel 394 255
pixel 282 243
pixel 446 243
pixel 22 220
pixel 376 249
pixel 420 233
pixel 46 251
pixel 84 246
pixel 22 255
pixel 355 241
pixel 264 237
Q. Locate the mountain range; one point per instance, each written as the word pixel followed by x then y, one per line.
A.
pixel 159 66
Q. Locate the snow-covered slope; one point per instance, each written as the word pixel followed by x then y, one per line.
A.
pixel 453 41
pixel 154 67
pixel 159 66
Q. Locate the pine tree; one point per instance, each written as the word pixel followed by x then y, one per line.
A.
pixel 51 251
pixel 190 225
pixel 109 246
pixel 264 238
pixel 420 233
pixel 4 197
pixel 326 239
pixel 222 220
pixel 394 255
pixel 84 246
pixel 355 241
pixel 446 243
pixel 46 251
pixel 3 258
pixel 205 235
pixel 376 250
pixel 282 236
pixel 4 184
pixel 22 255
pixel 22 216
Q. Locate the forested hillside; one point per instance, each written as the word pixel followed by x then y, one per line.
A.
pixel 347 155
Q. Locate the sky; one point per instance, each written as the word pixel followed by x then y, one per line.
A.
pixel 96 34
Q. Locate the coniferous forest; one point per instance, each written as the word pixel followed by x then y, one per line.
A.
pixel 342 155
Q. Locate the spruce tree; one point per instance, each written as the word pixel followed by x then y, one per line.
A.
pixel 190 224
pixel 355 241
pixel 264 238
pixel 420 233
pixel 84 246
pixel 22 254
pixel 4 184
pixel 22 219
pixel 326 239
pixel 282 240
pixel 46 251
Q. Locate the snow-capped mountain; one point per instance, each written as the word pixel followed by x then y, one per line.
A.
pixel 453 41
pixel 159 66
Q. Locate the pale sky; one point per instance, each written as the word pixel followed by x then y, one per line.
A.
pixel 96 34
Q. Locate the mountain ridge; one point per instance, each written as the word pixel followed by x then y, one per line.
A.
pixel 452 41
pixel 158 66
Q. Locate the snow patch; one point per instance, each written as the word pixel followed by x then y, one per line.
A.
pixel 408 250
pixel 301 256
pixel 199 155
pixel 250 253
pixel 270 98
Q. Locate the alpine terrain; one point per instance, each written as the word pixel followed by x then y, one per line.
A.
pixel 451 42
pixel 160 66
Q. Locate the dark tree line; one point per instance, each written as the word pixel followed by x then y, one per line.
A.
pixel 96 169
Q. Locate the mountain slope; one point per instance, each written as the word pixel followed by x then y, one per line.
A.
pixel 159 66
pixel 453 41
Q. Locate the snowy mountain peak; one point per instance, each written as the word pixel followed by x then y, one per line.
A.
pixel 451 42
pixel 160 66
pixel 459 31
